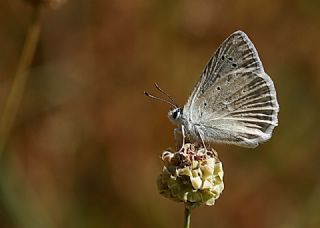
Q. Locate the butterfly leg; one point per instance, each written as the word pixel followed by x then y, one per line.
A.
pixel 177 133
pixel 200 136
pixel 204 145
pixel 183 135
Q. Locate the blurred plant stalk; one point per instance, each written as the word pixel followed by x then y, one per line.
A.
pixel 49 3
pixel 19 81
pixel 187 217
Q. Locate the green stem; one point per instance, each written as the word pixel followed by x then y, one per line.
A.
pixel 19 81
pixel 187 217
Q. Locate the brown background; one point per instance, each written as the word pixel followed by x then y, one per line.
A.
pixel 86 143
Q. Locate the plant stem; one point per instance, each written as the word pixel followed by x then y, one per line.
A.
pixel 19 81
pixel 187 217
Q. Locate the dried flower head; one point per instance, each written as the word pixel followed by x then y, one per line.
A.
pixel 192 175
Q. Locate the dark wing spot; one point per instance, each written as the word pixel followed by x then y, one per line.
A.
pixel 230 58
pixel 222 57
pixel 234 64
pixel 218 88
pixel 205 103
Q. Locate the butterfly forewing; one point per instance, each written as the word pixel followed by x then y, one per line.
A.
pixel 234 100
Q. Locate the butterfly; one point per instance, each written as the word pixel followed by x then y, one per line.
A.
pixel 234 101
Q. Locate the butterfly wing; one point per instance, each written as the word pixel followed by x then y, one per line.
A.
pixel 235 100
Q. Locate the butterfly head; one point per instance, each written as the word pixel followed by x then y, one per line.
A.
pixel 175 115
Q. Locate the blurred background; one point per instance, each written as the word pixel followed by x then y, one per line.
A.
pixel 84 149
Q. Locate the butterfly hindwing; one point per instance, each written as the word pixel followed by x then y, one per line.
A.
pixel 234 100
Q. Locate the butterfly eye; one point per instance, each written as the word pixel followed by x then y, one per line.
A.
pixel 175 114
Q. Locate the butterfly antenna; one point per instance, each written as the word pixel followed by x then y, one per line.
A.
pixel 167 95
pixel 160 99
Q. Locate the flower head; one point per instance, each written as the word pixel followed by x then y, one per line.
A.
pixel 192 175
